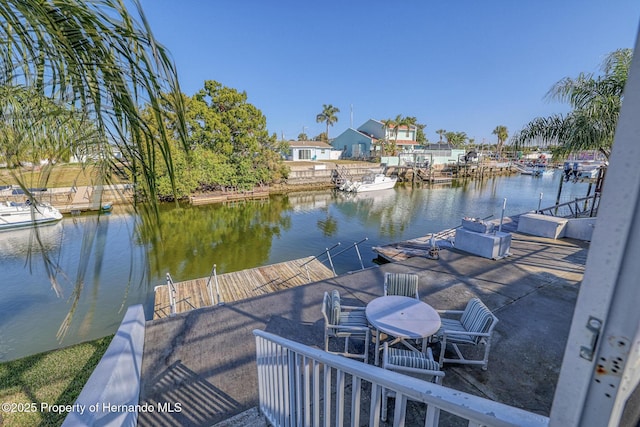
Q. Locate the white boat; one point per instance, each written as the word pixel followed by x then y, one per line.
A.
pixel 372 182
pixel 17 215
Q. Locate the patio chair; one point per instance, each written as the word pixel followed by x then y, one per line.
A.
pixel 473 327
pixel 420 365
pixel 403 284
pixel 344 321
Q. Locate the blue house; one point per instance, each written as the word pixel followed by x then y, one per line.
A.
pixel 365 141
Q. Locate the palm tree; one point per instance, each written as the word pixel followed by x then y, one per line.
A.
pixel 328 115
pixel 502 133
pixel 95 55
pixel 441 132
pixel 420 136
pixel 386 125
pixel 100 59
pixel 456 139
pixel 595 103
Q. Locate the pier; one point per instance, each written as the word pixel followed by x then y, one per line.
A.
pixel 238 285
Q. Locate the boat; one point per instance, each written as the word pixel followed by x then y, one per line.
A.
pixel 18 215
pixel 371 182
pixel 534 169
pixel 576 171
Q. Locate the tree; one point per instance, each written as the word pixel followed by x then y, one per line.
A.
pixel 502 133
pixel 420 136
pixel 441 132
pixel 595 102
pixel 102 60
pixel 229 145
pixel 303 137
pixel 456 139
pixel 328 116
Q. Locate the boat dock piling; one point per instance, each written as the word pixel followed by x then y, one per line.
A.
pixel 179 297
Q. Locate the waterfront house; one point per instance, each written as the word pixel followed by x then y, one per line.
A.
pixel 310 150
pixel 364 141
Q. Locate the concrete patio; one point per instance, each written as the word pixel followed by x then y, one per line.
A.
pixel 205 359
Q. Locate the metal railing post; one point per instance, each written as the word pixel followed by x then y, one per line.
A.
pixel 172 295
pixel 330 262
pixel 215 279
pixel 539 202
pixel 358 251
pixel 209 285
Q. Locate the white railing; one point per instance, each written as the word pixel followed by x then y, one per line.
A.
pixel 304 386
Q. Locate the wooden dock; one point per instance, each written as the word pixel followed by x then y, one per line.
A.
pixel 204 199
pixel 239 285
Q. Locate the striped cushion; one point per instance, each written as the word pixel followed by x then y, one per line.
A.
pixel 476 317
pixel 411 359
pixel 403 284
pixel 353 318
pixel 455 325
pixel 334 314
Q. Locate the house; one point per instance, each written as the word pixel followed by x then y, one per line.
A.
pixel 428 155
pixel 365 140
pixel 310 150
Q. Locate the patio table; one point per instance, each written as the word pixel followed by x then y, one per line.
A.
pixel 403 318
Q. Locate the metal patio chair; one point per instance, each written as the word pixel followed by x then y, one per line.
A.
pixel 415 364
pixel 403 284
pixel 472 326
pixel 344 321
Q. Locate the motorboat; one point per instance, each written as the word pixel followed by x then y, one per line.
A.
pixel 582 170
pixel 17 215
pixel 371 182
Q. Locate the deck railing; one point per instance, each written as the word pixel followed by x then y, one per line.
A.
pixel 577 208
pixel 327 256
pixel 304 386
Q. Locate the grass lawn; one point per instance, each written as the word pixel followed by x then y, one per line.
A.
pixel 53 378
pixel 61 176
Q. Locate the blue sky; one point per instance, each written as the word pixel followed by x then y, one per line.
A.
pixel 464 66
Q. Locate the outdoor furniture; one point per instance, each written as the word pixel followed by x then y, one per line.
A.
pixel 344 321
pixel 472 326
pixel 403 284
pixel 403 318
pixel 420 365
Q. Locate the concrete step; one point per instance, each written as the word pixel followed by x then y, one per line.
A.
pixel 249 418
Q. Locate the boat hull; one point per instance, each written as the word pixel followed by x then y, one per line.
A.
pixel 21 215
pixel 369 183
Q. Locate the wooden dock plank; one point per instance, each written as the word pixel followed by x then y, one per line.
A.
pixel 239 285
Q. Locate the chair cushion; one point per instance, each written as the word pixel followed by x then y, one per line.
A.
pixel 334 314
pixel 476 317
pixel 403 284
pixel 411 359
pixel 455 325
pixel 353 318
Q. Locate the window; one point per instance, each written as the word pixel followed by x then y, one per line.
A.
pixel 304 154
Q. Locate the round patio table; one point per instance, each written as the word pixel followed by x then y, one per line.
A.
pixel 403 318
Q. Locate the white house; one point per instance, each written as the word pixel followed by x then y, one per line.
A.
pixel 310 150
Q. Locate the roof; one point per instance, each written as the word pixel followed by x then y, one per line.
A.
pixel 309 144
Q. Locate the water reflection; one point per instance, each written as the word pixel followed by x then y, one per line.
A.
pixel 21 242
pixel 233 236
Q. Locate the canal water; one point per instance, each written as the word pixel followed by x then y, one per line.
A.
pixel 102 259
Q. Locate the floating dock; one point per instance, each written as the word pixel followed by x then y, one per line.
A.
pixel 238 285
